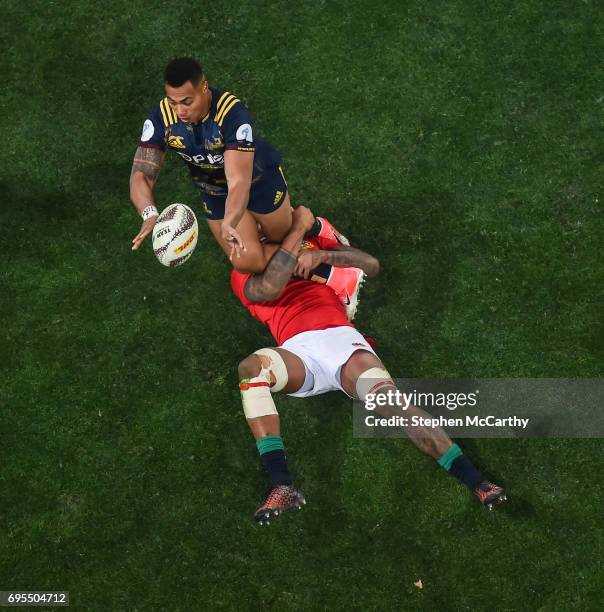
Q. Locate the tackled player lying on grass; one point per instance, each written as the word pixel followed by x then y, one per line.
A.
pixel 319 350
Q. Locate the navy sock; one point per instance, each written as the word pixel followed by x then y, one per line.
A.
pixel 275 465
pixel 457 464
pixel 314 230
pixel 463 469
pixel 321 273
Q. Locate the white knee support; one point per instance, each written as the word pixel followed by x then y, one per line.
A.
pixel 371 381
pixel 256 391
pixel 273 362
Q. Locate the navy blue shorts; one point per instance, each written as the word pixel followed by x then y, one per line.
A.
pixel 266 195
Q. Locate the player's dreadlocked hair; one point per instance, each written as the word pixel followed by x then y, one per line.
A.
pixel 181 70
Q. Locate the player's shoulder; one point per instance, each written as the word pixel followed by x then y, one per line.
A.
pixel 163 113
pixel 226 105
pixel 238 281
pixel 160 120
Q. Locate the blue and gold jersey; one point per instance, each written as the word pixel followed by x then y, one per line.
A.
pixel 228 125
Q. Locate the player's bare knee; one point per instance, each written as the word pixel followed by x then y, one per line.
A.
pixel 249 367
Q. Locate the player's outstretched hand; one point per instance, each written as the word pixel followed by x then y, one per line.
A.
pixel 146 229
pixel 231 236
pixel 303 218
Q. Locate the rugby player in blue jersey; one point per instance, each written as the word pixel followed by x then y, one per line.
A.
pixel 237 172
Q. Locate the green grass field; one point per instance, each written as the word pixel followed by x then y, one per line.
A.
pixel 461 143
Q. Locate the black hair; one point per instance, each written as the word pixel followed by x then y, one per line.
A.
pixel 181 70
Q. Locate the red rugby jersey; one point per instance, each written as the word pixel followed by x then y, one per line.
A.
pixel 303 306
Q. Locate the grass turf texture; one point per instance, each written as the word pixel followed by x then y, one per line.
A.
pixel 460 143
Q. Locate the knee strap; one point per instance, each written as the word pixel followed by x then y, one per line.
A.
pixel 371 381
pixel 256 392
pixel 273 362
pixel 256 398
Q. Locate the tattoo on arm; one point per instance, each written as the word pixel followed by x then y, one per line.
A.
pixel 269 284
pixel 148 161
pixel 349 257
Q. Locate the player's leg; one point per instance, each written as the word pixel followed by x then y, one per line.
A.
pixel 270 206
pixel 275 224
pixel 256 255
pixel 269 196
pixel 284 375
pixel 345 282
pixel 364 374
pixel 364 369
pixel 262 373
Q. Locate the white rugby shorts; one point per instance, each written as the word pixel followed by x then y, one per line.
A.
pixel 324 352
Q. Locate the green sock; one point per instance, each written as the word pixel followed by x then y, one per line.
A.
pixel 446 461
pixel 269 443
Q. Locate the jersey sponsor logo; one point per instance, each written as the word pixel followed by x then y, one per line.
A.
pixel 200 159
pixel 148 131
pixel 215 143
pixel 176 142
pixel 244 132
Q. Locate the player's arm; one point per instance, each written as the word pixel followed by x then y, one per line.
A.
pixel 340 257
pixel 236 122
pixel 146 167
pixel 270 284
pixel 238 168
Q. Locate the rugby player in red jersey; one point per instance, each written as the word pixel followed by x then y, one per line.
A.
pixel 319 351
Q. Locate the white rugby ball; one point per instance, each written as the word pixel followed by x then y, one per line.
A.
pixel 175 235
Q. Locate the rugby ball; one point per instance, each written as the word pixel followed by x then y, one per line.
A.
pixel 175 235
